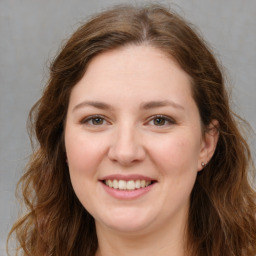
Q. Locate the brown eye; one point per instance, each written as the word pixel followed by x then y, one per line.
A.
pixel 97 121
pixel 159 121
pixel 94 121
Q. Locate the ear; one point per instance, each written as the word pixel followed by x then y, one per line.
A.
pixel 208 144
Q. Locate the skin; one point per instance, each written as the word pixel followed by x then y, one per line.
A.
pixel 129 137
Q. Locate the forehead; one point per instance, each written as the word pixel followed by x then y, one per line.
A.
pixel 134 71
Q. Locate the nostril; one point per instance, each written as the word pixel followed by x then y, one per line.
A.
pixel 126 157
pixel 126 149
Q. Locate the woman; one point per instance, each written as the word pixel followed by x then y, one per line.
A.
pixel 139 152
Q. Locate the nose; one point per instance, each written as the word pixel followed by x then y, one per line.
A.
pixel 127 147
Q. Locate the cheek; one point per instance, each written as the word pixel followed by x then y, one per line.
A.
pixel 176 153
pixel 83 153
pixel 84 158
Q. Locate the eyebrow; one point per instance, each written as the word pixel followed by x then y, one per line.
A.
pixel 145 105
pixel 96 104
pixel 164 103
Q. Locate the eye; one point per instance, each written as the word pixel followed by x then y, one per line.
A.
pixel 94 120
pixel 161 120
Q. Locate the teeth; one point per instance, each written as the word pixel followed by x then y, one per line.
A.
pixel 137 184
pixel 127 185
pixel 130 185
pixel 115 184
pixel 110 183
pixel 122 184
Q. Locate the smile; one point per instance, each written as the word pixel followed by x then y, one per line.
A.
pixel 127 185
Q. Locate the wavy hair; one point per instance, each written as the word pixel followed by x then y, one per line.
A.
pixel 222 217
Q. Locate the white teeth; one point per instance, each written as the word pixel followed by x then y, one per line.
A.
pixel 130 185
pixel 115 184
pixel 127 185
pixel 122 184
pixel 137 184
pixel 110 183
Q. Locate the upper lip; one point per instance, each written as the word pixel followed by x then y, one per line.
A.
pixel 127 177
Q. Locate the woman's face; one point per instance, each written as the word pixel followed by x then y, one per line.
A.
pixel 133 140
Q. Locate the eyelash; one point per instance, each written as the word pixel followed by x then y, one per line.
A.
pixel 89 119
pixel 167 120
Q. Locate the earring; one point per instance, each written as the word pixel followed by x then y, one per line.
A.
pixel 203 164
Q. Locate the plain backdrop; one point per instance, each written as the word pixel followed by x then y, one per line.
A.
pixel 31 32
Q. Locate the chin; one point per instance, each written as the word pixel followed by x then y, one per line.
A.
pixel 126 221
pixel 127 227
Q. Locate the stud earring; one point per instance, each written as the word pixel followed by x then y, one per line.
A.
pixel 203 164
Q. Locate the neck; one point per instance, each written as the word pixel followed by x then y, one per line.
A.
pixel 161 242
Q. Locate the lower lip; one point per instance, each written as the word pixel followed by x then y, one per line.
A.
pixel 127 194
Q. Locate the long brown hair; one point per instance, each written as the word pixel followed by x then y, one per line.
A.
pixel 222 218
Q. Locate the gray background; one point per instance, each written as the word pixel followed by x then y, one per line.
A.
pixel 32 30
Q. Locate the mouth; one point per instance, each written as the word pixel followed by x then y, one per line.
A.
pixel 129 185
